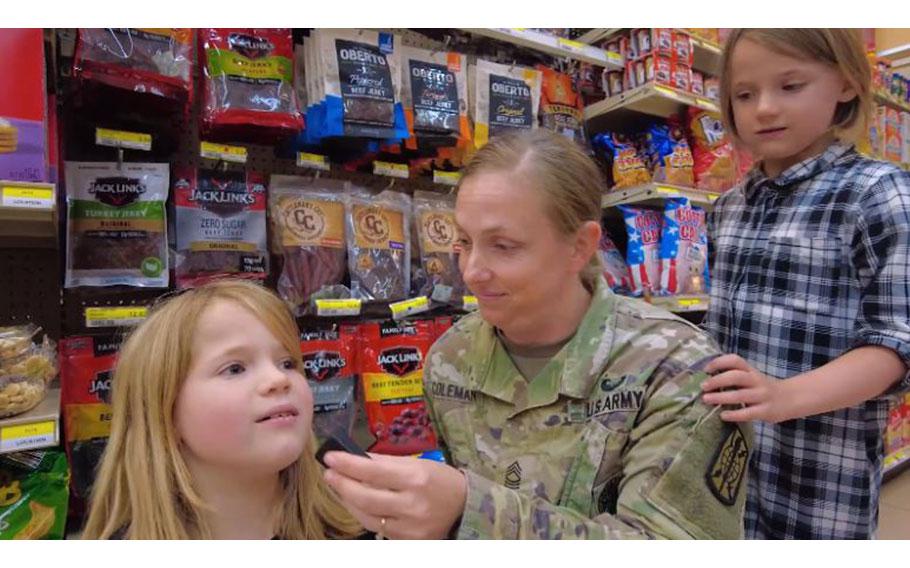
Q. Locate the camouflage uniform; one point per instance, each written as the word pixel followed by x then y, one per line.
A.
pixel 609 441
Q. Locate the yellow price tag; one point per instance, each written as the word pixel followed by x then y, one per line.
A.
pixel 224 152
pixel 123 139
pixel 667 190
pixel 338 307
pixel 571 44
pixel 446 178
pixel 409 307
pixel 470 303
pixel 391 169
pixel 713 197
pixel 689 302
pixel 26 436
pixel 314 161
pixel 120 316
pixel 27 197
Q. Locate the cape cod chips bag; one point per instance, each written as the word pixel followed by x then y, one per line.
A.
pixel 643 255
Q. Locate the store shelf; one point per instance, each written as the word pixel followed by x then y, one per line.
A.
pixel 655 193
pixel 681 304
pixel 28 214
pixel 706 54
pixel 886 99
pixel 552 45
pixel 896 462
pixel 652 99
pixel 36 429
pixel 897 52
pixel 598 34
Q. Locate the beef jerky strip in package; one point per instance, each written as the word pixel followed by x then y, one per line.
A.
pixel 379 250
pixel 434 216
pixel 33 496
pixel 434 93
pixel 643 253
pixel 330 368
pixel 561 106
pixel 505 99
pixel 683 249
pixel 249 78
pixel 221 226
pixel 116 232
pixel 307 219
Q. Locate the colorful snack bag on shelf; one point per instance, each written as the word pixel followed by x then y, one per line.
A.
pixel 698 83
pixel 33 495
pixel 643 254
pixel 711 150
pixel 505 99
pixel 156 61
pixel 330 368
pixel 379 247
pixel 26 131
pixel 561 107
pixel 905 137
pixel 663 70
pixel 893 142
pixel 392 359
pixel 663 42
pixel 616 271
pixel 249 78
pixel 435 93
pixel 434 216
pixel 712 88
pixel 683 249
pixel 669 154
pixel 627 167
pixel 894 432
pixel 681 77
pixel 116 231
pixel 307 220
pixel 221 226
pixel 682 49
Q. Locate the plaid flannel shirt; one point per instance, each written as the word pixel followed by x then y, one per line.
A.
pixel 806 267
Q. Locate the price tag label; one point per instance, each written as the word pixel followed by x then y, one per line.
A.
pixel 335 308
pixel 391 170
pixel 28 436
pixel 713 197
pixel 667 190
pixel 123 139
pixel 470 303
pixel 410 307
pixel 27 197
pixel 689 302
pixel 314 161
pixel 571 45
pixel 710 106
pixel 446 178
pixel 212 151
pixel 120 316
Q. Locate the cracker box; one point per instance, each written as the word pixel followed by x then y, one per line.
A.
pixel 23 106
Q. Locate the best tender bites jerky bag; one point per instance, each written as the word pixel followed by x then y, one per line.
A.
pixel 329 366
pixel 505 99
pixel 379 250
pixel 33 495
pixel 711 150
pixel 116 232
pixel 392 361
pixel 308 229
pixel 434 92
pixel 643 255
pixel 249 78
pixel 434 215
pixel 683 249
pixel 221 226
pixel 561 106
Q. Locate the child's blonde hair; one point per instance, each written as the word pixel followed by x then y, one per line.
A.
pixel 838 47
pixel 144 485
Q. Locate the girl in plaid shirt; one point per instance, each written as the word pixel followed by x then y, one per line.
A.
pixel 811 287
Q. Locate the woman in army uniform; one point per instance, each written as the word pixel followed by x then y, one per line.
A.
pixel 566 411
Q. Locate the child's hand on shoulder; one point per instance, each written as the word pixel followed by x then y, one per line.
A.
pixel 736 383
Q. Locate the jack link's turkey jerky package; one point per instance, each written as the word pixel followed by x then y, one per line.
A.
pixel 435 93
pixel 505 99
pixel 116 232
pixel 221 225
pixel 643 254
pixel 307 220
pixel 330 368
pixel 379 247
pixel 434 217
pixel 683 249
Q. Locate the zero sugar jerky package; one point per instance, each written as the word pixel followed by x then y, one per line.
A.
pixel 683 249
pixel 116 231
pixel 643 253
pixel 330 368
pixel 505 99
pixel 434 217
pixel 434 93
pixel 379 247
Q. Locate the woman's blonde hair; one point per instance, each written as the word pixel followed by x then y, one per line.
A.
pixel 837 47
pixel 144 485
pixel 569 180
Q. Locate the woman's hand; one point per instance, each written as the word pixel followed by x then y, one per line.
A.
pixel 759 395
pixel 419 499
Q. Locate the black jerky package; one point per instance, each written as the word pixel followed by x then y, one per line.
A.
pixel 434 216
pixel 366 83
pixel 330 368
pixel 379 250
pixel 506 99
pixel 434 91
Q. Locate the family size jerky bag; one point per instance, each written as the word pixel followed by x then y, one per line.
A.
pixel 117 231
pixel 505 99
pixel 392 358
pixel 157 61
pixel 221 225
pixel 249 79
pixel 616 271
pixel 561 106
pixel 683 249
pixel 627 168
pixel 330 368
pixel 308 232
pixel 643 254
pixel 435 93
pixel 33 495
pixel 711 150
pixel 434 216
pixel 379 247
pixel 669 155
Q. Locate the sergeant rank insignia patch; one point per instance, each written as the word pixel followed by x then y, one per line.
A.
pixel 727 469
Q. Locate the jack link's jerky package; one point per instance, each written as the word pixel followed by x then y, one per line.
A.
pixel 616 271
pixel 504 99
pixel 683 249
pixel 643 254
pixel 435 92
pixel 33 495
pixel 249 78
pixel 561 106
pixel 307 220
pixel 711 150
pixel 156 61
pixel 116 232
pixel 379 247
pixel 221 226
pixel 434 216
pixel 330 368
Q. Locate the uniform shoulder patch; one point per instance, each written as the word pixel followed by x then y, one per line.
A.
pixel 728 467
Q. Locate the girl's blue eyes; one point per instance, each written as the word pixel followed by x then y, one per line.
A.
pixel 235 369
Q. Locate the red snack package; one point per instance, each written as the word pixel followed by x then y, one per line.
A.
pixel 157 61
pixel 698 83
pixel 443 324
pixel 711 150
pixel 682 49
pixel 663 42
pixel 249 79
pixel 681 77
pixel 392 364
pixel 663 70
pixel 329 366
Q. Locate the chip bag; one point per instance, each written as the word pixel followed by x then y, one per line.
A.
pixel 330 368
pixel 561 106
pixel 504 99
pixel 379 247
pixel 616 271
pixel 627 168
pixel 711 150
pixel 392 362
pixel 33 495
pixel 683 249
pixel 643 255
pixel 669 155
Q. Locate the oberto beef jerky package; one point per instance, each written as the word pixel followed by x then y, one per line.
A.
pixel 505 99
pixel 221 226
pixel 117 232
pixel 434 92
pixel 434 216
pixel 379 250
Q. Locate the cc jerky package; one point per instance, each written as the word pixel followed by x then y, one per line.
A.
pixel 683 249
pixel 221 225
pixel 307 220
pixel 249 79
pixel 505 99
pixel 434 216
pixel 156 61
pixel 379 250
pixel 330 368
pixel 434 93
pixel 392 358
pixel 561 106
pixel 116 232
pixel 86 370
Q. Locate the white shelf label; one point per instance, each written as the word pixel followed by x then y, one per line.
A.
pixel 27 197
pixel 446 178
pixel 410 307
pixel 338 307
pixel 123 139
pixel 121 316
pixel 314 161
pixel 212 151
pixel 391 170
pixel 28 436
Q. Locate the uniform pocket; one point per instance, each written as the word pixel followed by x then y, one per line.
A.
pixel 804 272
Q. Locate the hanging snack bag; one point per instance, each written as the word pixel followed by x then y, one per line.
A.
pixel 393 355
pixel 616 271
pixel 116 232
pixel 643 255
pixel 221 226
pixel 683 249
pixel 379 250
pixel 711 150
pixel 434 216
pixel 157 61
pixel 329 366
pixel 33 495
pixel 505 99
pixel 435 93
pixel 627 167
pixel 561 106
pixel 669 154
pixel 307 220
pixel 249 78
